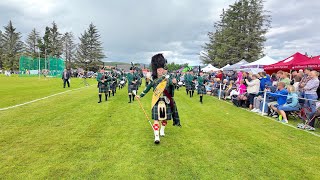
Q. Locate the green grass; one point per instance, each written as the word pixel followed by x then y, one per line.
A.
pixel 71 136
pixel 15 90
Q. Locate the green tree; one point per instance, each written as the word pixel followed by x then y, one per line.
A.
pixel 239 34
pixel 173 67
pixel 55 41
pixel 32 44
pixel 12 47
pixel 44 43
pixel 68 48
pixel 1 49
pixel 90 51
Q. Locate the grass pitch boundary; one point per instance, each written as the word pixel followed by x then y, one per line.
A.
pixel 39 99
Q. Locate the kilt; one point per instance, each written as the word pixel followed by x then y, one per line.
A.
pixel 155 115
pixel 103 88
pixel 188 86
pixel 192 87
pixel 132 87
pixel 201 89
pixel 113 85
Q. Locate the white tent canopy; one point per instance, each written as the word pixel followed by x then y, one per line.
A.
pixel 259 63
pixel 209 68
pixel 235 66
pixel 225 67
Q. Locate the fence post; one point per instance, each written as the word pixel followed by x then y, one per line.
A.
pixel 220 92
pixel 264 102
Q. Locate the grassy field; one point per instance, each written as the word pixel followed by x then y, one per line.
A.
pixel 71 136
pixel 15 90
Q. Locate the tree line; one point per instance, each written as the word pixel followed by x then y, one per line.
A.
pixel 88 53
pixel 239 34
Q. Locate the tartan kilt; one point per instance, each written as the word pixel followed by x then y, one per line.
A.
pixel 201 89
pixel 103 88
pixel 188 87
pixel 192 87
pixel 113 86
pixel 155 115
pixel 132 87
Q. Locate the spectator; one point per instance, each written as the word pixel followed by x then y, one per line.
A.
pixel 294 73
pixel 292 104
pixel 230 87
pixel 66 78
pixel 285 78
pixel 310 91
pixel 305 78
pixel 256 104
pixel 253 89
pixel 310 124
pixel 274 79
pixel 279 75
pixel 219 75
pixel 239 77
pixel 242 89
pixel 209 87
pixel 296 81
pixel 280 95
pixel 224 86
pixel 234 76
pixel 300 73
pixel 216 86
pixel 264 81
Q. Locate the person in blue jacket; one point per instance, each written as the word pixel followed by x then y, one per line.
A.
pixel 280 95
pixel 264 80
pixel 292 104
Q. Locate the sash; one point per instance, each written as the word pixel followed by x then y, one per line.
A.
pixel 158 91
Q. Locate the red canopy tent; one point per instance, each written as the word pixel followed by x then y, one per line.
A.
pixel 313 63
pixel 287 64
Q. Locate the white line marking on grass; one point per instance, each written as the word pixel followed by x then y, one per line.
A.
pixel 29 102
pixel 289 125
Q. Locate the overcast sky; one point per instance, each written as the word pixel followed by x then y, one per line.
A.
pixel 135 30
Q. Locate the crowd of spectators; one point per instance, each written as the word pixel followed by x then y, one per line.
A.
pixel 286 93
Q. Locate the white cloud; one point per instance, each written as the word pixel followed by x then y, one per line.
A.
pixel 135 30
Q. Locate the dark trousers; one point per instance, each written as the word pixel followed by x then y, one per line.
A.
pixel 64 83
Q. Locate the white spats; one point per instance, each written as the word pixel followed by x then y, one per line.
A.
pixel 156 137
pixel 156 133
pixel 162 130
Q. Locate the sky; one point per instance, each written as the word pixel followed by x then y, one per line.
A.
pixel 133 31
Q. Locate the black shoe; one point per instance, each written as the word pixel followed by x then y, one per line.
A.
pixel 179 125
pixel 129 102
pixel 99 102
pixel 157 142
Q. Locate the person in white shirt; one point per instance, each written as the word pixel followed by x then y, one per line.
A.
pixel 253 88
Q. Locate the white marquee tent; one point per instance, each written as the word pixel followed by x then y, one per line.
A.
pixel 225 67
pixel 235 66
pixel 260 63
pixel 257 66
pixel 209 68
